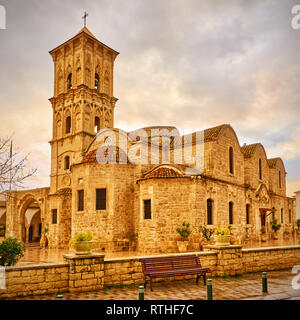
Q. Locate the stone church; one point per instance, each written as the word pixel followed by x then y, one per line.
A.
pixel 140 203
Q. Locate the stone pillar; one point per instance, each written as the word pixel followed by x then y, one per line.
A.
pixel 86 272
pixel 229 259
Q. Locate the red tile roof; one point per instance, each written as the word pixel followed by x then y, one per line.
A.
pixel 249 150
pixel 106 154
pixel 163 172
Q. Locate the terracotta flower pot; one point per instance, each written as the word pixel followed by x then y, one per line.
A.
pixel 182 246
pixel 222 240
pixel 83 247
pixel 263 237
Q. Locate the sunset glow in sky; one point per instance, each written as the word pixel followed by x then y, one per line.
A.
pixel 191 64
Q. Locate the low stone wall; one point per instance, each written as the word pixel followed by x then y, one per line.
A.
pixel 92 272
pixel 270 258
pixel 35 280
pixel 86 272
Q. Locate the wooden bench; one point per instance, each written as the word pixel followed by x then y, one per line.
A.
pixel 173 266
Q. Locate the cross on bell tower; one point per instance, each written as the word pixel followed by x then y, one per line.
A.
pixel 85 17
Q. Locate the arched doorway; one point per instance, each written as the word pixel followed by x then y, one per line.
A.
pixel 30 221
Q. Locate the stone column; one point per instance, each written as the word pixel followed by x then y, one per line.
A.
pixel 86 272
pixel 229 259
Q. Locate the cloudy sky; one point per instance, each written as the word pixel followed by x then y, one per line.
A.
pixel 188 63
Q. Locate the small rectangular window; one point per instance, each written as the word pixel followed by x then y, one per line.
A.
pixel 230 213
pixel 290 216
pixel 80 194
pixel 54 216
pixel 281 215
pixel 147 209
pixel 100 199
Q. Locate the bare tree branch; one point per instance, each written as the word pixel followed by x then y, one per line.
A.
pixel 13 170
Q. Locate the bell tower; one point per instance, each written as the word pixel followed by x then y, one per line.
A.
pixel 83 101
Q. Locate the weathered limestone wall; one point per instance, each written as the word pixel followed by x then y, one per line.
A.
pixel 272 258
pixel 86 273
pixel 116 221
pixel 35 280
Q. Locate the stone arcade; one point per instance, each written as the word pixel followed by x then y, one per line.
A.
pixel 141 204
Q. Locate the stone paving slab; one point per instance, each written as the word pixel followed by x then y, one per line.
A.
pixel 247 286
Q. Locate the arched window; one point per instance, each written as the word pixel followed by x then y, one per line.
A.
pixel 68 124
pixel 97 124
pixel 279 178
pixel 69 81
pixel 290 216
pixel 260 169
pixel 247 213
pixel 231 160
pixel 67 163
pixel 230 212
pixel 209 211
pixel 281 212
pixel 273 213
pixel 97 81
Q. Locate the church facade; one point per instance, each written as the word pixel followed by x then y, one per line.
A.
pixel 141 203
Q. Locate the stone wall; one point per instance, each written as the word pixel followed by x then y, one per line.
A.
pixel 92 272
pixel 35 280
pixel 272 258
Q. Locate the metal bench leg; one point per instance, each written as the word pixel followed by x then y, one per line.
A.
pixel 197 279
pixel 204 278
pixel 151 284
pixel 145 283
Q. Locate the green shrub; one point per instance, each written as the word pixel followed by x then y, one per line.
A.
pixel 11 250
pixel 185 230
pixel 2 231
pixel 81 237
pixel 222 231
pixel 207 233
pixel 275 226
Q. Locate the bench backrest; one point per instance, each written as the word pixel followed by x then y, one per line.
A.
pixel 170 263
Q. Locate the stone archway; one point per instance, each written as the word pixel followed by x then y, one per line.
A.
pixel 30 224
pixel 17 204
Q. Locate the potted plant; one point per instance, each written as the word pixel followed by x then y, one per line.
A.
pixel 184 232
pixel 263 234
pixel 298 226
pixel 206 235
pixel 275 227
pixel 44 238
pixel 81 242
pixel 222 236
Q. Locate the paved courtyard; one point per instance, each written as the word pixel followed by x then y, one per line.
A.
pixel 36 255
pixel 247 286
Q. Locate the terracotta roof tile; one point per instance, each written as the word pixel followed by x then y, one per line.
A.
pixel 249 150
pixel 163 172
pixel 114 154
pixel 272 162
pixel 64 191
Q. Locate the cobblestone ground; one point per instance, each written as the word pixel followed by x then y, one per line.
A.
pixel 247 286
